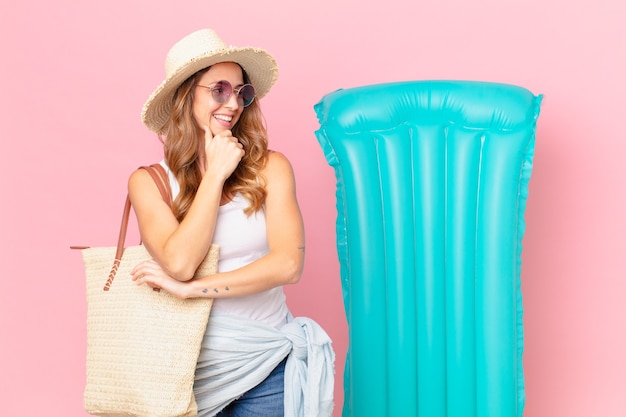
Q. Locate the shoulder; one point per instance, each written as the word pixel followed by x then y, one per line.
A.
pixel 277 162
pixel 278 170
pixel 140 182
pixel 138 179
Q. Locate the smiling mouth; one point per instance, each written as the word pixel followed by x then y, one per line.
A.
pixel 223 118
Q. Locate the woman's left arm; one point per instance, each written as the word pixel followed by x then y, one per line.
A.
pixel 285 236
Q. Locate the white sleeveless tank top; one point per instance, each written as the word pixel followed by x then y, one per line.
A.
pixel 242 240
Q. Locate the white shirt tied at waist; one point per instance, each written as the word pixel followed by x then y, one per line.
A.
pixel 238 354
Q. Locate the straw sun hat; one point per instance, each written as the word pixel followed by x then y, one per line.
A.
pixel 195 52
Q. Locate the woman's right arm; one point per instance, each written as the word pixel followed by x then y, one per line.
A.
pixel 180 247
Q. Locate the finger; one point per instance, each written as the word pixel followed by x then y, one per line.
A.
pixel 208 135
pixel 142 279
pixel 138 277
pixel 146 278
pixel 137 270
pixel 227 135
pixel 145 268
pixel 149 273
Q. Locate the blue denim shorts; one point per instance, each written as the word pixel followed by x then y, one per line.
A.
pixel 265 400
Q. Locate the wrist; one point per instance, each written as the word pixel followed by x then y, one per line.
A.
pixel 191 290
pixel 215 176
pixel 211 184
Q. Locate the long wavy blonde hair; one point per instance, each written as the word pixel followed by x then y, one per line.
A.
pixel 183 145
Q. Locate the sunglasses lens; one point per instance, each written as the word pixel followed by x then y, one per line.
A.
pixel 222 91
pixel 246 95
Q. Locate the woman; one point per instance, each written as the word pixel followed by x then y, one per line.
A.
pixel 229 189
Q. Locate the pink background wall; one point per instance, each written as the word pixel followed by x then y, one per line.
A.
pixel 76 73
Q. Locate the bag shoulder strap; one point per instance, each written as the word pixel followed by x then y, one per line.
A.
pixel 161 180
pixel 158 174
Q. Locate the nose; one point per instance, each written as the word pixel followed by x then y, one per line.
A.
pixel 233 101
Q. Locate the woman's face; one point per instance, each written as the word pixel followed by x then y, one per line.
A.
pixel 208 112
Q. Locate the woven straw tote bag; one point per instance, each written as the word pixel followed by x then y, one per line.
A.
pixel 142 344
